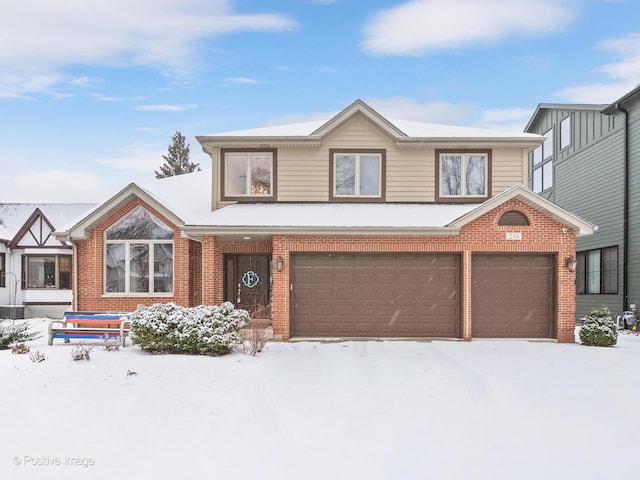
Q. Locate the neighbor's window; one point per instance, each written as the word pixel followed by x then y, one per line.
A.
pixel 565 132
pixel 542 164
pixel 248 174
pixel 463 174
pixel 3 270
pixel 47 271
pixel 357 174
pixel 139 255
pixel 597 271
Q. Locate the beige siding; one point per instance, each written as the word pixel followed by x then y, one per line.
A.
pixel 303 173
pixel 508 169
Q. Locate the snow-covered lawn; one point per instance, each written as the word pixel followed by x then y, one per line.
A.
pixel 352 410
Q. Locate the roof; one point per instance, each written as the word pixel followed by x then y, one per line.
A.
pixel 371 218
pixel 14 215
pixel 561 106
pixel 614 106
pixel 405 132
pixel 181 198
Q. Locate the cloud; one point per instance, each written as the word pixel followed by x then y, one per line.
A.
pixel 55 186
pixel 621 75
pixel 512 119
pixel 241 81
pixel 421 26
pixel 138 158
pixel 38 40
pixel 403 108
pixel 166 108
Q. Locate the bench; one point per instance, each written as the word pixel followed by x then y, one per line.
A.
pixel 91 325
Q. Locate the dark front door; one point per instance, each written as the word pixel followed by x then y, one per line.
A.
pixel 248 283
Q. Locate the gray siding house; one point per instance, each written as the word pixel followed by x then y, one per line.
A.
pixel 590 164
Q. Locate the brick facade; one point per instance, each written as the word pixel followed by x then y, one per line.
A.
pixel 198 268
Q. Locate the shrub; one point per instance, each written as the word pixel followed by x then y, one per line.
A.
pixel 202 330
pixel 11 332
pixel 599 329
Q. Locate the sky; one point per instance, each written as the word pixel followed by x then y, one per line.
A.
pixel 92 92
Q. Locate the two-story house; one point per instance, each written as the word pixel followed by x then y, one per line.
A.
pixel 589 164
pixel 357 226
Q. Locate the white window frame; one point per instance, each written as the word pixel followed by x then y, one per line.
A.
pixel 249 156
pixel 356 190
pixel 565 132
pixel 547 146
pixel 127 268
pixel 463 176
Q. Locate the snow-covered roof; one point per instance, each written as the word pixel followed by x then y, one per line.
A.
pixel 14 215
pixel 403 130
pixel 334 215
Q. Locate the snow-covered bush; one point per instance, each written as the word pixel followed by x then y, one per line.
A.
pixel 12 332
pixel 202 330
pixel 599 329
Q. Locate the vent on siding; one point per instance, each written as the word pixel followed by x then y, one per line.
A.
pixel 513 218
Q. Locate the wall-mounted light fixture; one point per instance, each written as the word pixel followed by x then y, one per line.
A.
pixel 571 263
pixel 280 264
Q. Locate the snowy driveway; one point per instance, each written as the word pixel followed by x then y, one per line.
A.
pixel 353 410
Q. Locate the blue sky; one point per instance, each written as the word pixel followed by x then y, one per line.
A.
pixel 92 92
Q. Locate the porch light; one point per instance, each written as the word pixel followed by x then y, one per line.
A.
pixel 571 263
pixel 280 264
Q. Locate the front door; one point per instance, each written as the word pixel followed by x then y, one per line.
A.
pixel 248 283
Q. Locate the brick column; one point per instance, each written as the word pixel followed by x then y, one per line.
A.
pixel 208 270
pixel 466 295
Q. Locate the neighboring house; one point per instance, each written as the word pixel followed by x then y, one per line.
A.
pixel 590 165
pixel 357 226
pixel 35 268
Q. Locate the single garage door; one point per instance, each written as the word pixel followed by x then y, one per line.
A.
pixel 513 296
pixel 375 295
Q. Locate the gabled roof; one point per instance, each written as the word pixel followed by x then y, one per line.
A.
pixel 578 225
pixel 540 109
pixel 180 198
pixel 16 217
pixel 404 132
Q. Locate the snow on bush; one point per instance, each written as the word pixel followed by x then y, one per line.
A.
pixel 202 330
pixel 12 332
pixel 599 329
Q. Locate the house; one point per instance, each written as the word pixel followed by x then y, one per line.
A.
pixel 589 164
pixel 356 226
pixel 35 268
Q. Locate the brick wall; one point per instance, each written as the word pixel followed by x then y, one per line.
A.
pixel 194 284
pixel 90 285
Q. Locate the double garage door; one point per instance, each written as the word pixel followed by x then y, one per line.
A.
pixel 412 295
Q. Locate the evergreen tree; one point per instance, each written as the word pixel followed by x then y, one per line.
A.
pixel 177 159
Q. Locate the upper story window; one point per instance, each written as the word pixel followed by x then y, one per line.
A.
pixel 47 271
pixel 139 255
pixel 357 175
pixel 597 271
pixel 463 175
pixel 565 132
pixel 542 164
pixel 248 174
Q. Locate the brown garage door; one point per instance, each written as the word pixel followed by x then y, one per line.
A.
pixel 375 295
pixel 512 296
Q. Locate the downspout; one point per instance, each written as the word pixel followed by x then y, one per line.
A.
pixel 74 297
pixel 625 207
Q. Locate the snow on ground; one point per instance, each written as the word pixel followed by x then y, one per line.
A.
pixel 311 410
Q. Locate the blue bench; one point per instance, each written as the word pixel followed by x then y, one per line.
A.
pixel 91 325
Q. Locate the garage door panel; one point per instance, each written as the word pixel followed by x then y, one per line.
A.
pixel 390 295
pixel 512 295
